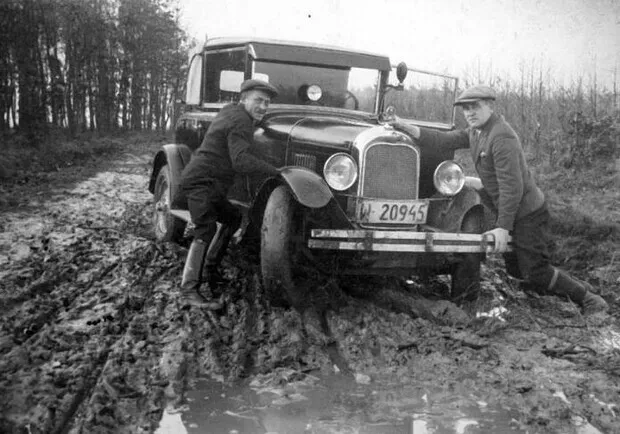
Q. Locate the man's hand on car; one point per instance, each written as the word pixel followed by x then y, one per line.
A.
pixel 501 237
pixel 473 182
pixel 401 125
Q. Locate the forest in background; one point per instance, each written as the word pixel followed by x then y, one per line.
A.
pixel 98 65
pixel 570 126
pixel 104 66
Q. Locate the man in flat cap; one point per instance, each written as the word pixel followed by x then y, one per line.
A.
pixel 519 203
pixel 227 149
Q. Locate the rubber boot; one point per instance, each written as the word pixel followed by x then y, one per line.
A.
pixel 192 274
pixel 563 284
pixel 216 253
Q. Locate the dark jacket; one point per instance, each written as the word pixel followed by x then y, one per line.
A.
pixel 500 162
pixel 227 149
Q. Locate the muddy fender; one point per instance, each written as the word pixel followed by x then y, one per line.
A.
pixel 308 188
pixel 176 157
pixel 448 214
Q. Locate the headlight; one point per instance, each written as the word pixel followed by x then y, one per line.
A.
pixel 340 171
pixel 449 178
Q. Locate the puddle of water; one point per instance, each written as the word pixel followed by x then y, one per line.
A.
pixel 328 405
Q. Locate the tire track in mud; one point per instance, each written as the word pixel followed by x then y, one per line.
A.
pixel 127 375
pixel 80 338
pixel 106 317
pixel 93 338
pixel 386 345
pixel 247 336
pixel 113 347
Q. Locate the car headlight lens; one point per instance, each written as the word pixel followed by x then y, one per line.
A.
pixel 340 171
pixel 449 178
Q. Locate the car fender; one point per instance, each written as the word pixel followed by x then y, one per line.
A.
pixel 308 188
pixel 448 214
pixel 174 155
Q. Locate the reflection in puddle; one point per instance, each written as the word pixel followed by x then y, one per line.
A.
pixel 290 402
pixel 171 423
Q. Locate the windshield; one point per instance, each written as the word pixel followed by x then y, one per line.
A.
pixel 349 88
pixel 426 97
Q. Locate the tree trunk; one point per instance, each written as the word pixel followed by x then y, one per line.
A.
pixel 104 101
pixel 92 111
pixel 31 105
pixel 122 95
pixel 136 100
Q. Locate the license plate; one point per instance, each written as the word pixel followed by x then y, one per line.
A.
pixel 392 211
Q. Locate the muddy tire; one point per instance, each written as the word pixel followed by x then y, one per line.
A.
pixel 165 225
pixel 466 272
pixel 279 251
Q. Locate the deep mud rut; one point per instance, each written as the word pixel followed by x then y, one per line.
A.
pixel 92 337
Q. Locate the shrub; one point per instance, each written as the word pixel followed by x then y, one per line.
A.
pixel 591 140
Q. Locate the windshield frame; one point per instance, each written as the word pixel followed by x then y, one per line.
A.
pixel 312 55
pixel 367 95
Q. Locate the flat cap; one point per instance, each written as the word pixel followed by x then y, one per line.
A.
pixel 254 84
pixel 475 93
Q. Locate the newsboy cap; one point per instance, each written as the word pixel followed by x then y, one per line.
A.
pixel 254 84
pixel 475 93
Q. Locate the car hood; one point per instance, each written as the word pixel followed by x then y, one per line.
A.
pixel 320 129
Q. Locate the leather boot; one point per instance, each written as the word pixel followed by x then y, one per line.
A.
pixel 593 303
pixel 192 275
pixel 215 254
pixel 563 284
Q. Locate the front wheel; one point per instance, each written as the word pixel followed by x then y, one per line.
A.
pixel 280 248
pixel 166 226
pixel 466 272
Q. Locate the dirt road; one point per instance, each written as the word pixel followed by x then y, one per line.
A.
pixel 92 338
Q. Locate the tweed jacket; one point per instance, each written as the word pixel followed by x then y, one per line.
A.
pixel 500 162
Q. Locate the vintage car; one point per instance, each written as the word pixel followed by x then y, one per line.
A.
pixel 356 196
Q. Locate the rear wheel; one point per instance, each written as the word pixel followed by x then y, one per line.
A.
pixel 281 239
pixel 466 272
pixel 165 225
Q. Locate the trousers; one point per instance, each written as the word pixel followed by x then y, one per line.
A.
pixel 207 205
pixel 530 258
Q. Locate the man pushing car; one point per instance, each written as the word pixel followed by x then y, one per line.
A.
pixel 228 149
pixel 518 202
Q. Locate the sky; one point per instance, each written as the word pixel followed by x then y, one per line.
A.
pixel 568 38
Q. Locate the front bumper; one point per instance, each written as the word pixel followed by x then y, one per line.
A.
pixel 400 241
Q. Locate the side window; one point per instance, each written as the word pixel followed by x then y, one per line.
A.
pixel 192 93
pixel 220 68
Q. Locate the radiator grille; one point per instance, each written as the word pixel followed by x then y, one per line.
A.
pixel 305 160
pixel 391 172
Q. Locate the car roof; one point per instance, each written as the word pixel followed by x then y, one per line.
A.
pixel 302 52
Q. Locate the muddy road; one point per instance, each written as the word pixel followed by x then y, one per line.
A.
pixel 93 340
